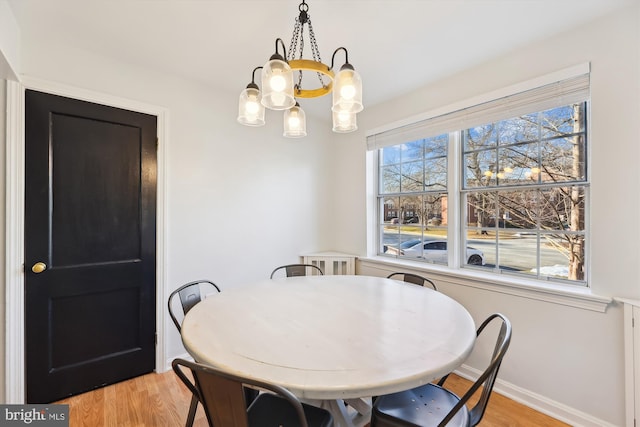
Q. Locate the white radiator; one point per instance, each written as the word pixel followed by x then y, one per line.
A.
pixel 332 263
pixel 632 360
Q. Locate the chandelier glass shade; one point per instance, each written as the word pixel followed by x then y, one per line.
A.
pixel 347 91
pixel 281 82
pixel 250 108
pixel 295 123
pixel 277 84
pixel 344 121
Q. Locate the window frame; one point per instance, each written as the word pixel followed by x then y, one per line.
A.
pixel 539 186
pixel 578 294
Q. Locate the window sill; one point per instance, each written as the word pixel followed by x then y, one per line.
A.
pixel 572 296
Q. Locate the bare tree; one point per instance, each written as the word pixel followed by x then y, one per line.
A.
pixel 543 148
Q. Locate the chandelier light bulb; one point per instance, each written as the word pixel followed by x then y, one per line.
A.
pixel 278 82
pixel 253 106
pixel 348 91
pixel 294 122
pixel 343 116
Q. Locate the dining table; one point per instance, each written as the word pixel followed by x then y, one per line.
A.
pixel 333 341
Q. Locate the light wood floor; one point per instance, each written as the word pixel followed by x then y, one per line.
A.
pixel 158 400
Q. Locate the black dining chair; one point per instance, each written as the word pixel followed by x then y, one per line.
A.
pixel 180 302
pixel 224 403
pixel 433 405
pixel 189 295
pixel 292 270
pixel 413 278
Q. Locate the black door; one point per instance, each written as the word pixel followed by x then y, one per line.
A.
pixel 90 209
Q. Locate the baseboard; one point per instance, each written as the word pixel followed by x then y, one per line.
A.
pixel 538 402
pixel 185 356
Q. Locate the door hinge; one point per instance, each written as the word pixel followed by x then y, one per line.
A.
pixel 155 338
pixel 157 143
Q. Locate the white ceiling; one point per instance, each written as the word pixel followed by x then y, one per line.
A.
pixel 396 45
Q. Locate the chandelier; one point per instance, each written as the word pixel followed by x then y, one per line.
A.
pixel 282 84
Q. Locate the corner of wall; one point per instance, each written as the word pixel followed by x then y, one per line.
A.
pixel 3 111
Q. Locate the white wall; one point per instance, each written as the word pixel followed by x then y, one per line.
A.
pixel 3 104
pixel 571 356
pixel 9 60
pixel 9 42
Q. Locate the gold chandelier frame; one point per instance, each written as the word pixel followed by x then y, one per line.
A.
pixel 309 65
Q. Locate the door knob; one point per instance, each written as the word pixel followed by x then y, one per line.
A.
pixel 39 267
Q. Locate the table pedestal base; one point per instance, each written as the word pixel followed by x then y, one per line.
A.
pixel 357 412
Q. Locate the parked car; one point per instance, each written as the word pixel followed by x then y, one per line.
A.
pixel 432 250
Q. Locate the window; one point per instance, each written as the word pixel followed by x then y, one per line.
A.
pixel 524 189
pixel 511 182
pixel 412 196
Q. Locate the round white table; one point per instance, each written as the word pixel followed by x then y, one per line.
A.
pixel 332 338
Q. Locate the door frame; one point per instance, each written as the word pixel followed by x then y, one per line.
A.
pixel 15 378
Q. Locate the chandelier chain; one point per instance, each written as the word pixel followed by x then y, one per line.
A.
pixel 301 55
pixel 314 50
pixel 297 46
pixel 294 40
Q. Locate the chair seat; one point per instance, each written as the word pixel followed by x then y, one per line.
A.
pixel 270 410
pixel 423 406
pixel 431 404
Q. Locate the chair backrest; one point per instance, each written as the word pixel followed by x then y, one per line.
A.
pixel 413 278
pixel 189 295
pixel 292 270
pixel 222 394
pixel 488 377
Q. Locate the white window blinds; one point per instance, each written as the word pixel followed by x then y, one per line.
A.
pixel 564 92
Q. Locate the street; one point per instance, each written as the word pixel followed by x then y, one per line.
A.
pixel 517 254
